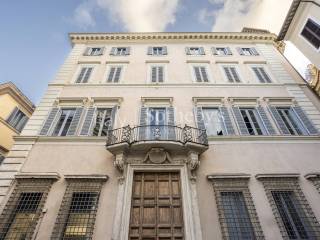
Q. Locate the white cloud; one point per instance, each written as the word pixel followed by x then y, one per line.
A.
pixel 205 16
pixel 236 14
pixel 82 15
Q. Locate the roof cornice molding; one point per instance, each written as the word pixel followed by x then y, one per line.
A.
pixel 170 36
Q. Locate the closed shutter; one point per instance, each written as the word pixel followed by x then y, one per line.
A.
pixel 228 50
pixel 265 75
pixel 113 51
pixel 128 49
pixel 113 116
pixel 266 122
pixel 240 51
pixel 153 74
pixel 117 74
pixel 201 51
pixel 160 74
pixel 111 73
pixel 87 75
pixel 87 51
pixel 241 124
pixel 228 74
pixel 75 122
pixel 164 50
pixel 204 74
pixel 312 130
pixel 197 74
pixel 258 74
pixel 214 51
pixel 102 51
pixel 22 123
pixel 254 51
pixel 199 118
pixel 87 123
pixel 48 123
pixel 281 125
pixel 171 130
pixel 150 51
pixel 143 123
pixel 81 75
pixel 227 121
pixel 187 49
pixel 235 74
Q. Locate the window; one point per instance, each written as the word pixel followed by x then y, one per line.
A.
pixel 2 157
pixel 23 209
pixel 221 51
pixel 120 51
pixel 200 73
pixel 293 214
pixel 231 74
pixel 102 122
pixel 114 74
pixel 157 51
pixel 252 121
pixel 290 120
pixel 195 51
pixel 311 32
pixel 84 75
pixel 64 122
pixel 94 51
pixel 157 74
pixel 17 119
pixel 213 121
pixel 261 74
pixel 236 210
pixel 78 210
pixel 248 51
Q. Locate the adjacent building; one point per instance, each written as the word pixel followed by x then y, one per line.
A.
pixel 167 136
pixel 15 110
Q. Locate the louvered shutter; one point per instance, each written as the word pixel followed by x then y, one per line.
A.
pixel 160 74
pixel 204 74
pixel 111 73
pixel 228 50
pixel 150 51
pixel 187 49
pixel 81 75
pixel 214 51
pixel 312 130
pixel 22 123
pixel 265 75
pixel 240 51
pixel 117 74
pixel 87 51
pixel 235 74
pixel 113 116
pixel 113 51
pixel 153 74
pixel 87 75
pixel 265 120
pixel 199 118
pixel 12 116
pixel 164 50
pixel 258 74
pixel 143 123
pixel 227 121
pixel 75 122
pixel 128 50
pixel 87 123
pixel 228 74
pixel 201 51
pixel 281 125
pixel 197 74
pixel 241 124
pixel 254 51
pixel 48 123
pixel 102 51
pixel 171 128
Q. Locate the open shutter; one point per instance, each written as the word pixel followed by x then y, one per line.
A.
pixel 197 74
pixel 113 51
pixel 102 51
pixel 201 50
pixel 48 123
pixel 254 51
pixel 75 122
pixel 111 73
pixel 81 75
pixel 153 74
pixel 258 74
pixel 228 50
pixel 150 51
pixel 240 51
pixel 128 49
pixel 171 130
pixel 265 120
pixel 228 74
pixel 160 74
pixel 143 123
pixel 227 121
pixel 235 74
pixel 241 124
pixel 204 74
pixel 113 116
pixel 87 123
pixel 87 51
pixel 187 49
pixel 164 50
pixel 312 130
pixel 199 118
pixel 214 51
pixel 117 74
pixel 282 126
pixel 87 75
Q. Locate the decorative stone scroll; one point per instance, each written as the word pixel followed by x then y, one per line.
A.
pixel 157 156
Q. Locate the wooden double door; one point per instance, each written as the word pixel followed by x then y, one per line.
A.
pixel 156 207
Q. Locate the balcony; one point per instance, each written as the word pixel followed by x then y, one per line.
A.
pixel 141 138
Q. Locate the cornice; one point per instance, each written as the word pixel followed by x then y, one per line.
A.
pixel 170 36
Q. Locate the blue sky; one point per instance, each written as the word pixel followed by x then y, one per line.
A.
pixel 34 41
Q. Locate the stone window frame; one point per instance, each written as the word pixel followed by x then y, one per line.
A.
pixel 26 183
pixel 235 183
pixel 78 183
pixel 288 182
pixel 315 179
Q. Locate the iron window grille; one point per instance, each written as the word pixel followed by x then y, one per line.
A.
pixel 236 210
pixel 17 119
pixel 24 209
pixel 311 32
pixel 77 214
pixel 252 121
pixel 293 214
pixel 102 122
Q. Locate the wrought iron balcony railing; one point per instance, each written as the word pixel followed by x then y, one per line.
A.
pixel 131 135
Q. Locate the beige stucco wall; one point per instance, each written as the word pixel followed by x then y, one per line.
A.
pixel 306 10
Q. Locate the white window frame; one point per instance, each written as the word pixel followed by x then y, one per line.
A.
pixel 301 29
pixel 258 119
pixel 56 120
pixel 266 69
pixel 153 52
pixel 193 75
pixel 236 66
pixel 108 68
pixel 97 53
pixel 223 55
pixel 78 71
pixel 165 73
pixel 121 53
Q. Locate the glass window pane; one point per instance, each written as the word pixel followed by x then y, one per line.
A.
pixel 212 121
